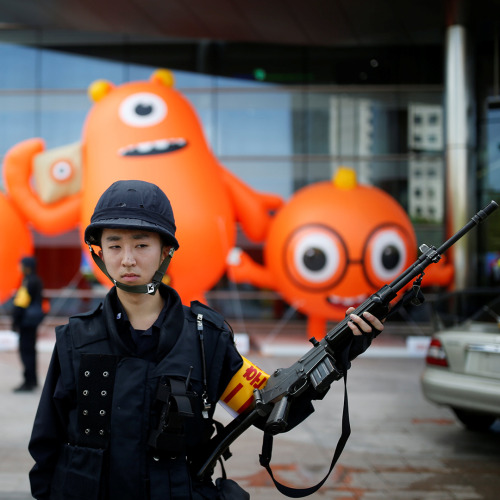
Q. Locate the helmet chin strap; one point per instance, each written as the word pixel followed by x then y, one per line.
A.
pixel 149 288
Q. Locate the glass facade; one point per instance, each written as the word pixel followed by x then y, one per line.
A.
pixel 275 137
pixel 489 187
pixel 278 128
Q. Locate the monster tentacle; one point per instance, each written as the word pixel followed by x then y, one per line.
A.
pixel 252 208
pixel 243 269
pixel 50 219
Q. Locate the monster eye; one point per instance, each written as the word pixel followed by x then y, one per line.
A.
pixel 62 171
pixel 385 255
pixel 315 257
pixel 143 109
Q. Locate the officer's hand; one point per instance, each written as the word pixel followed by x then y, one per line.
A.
pixel 368 323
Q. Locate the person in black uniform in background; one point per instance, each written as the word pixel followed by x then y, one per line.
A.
pixel 132 386
pixel 27 299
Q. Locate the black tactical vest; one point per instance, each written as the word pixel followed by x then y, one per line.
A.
pixel 136 424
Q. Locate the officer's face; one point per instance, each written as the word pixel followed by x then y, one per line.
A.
pixel 131 256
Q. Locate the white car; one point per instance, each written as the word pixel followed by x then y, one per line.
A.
pixel 463 370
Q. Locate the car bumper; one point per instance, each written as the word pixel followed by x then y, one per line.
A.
pixel 456 390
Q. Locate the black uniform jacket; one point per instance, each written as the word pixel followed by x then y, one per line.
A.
pixel 34 286
pixel 94 431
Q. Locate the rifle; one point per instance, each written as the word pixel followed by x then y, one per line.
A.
pixel 317 369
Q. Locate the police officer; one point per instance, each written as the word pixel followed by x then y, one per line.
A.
pixel 27 314
pixel 131 388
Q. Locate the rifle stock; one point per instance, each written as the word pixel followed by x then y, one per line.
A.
pixel 316 370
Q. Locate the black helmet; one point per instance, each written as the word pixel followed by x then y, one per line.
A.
pixel 29 263
pixel 133 204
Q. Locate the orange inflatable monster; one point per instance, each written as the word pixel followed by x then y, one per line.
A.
pixel 143 130
pixel 331 246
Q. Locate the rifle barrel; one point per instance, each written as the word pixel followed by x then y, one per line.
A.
pixel 423 261
pixel 475 220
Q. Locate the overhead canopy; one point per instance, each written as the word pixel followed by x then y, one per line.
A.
pixel 315 22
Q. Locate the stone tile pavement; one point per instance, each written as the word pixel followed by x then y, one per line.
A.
pixel 401 447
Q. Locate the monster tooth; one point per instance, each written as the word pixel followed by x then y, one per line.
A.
pixel 144 147
pixel 161 144
pixel 153 147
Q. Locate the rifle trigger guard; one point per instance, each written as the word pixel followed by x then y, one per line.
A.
pixel 297 389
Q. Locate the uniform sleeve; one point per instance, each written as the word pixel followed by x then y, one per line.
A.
pixel 299 410
pixel 232 363
pixel 49 430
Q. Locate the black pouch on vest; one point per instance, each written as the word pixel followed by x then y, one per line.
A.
pixel 77 474
pixel 230 490
pixel 174 405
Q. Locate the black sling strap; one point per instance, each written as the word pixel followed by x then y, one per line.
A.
pixel 267 447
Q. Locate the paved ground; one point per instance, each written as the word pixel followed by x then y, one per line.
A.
pixel 401 447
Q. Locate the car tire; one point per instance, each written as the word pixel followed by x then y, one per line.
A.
pixel 474 421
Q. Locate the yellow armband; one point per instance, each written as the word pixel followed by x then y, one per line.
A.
pixel 238 395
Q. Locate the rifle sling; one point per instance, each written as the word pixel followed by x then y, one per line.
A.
pixel 267 447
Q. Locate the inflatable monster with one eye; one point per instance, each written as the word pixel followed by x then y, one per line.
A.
pixel 331 246
pixel 142 130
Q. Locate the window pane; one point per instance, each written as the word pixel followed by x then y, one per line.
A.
pixel 18 119
pixel 254 123
pixel 19 66
pixel 68 71
pixel 365 124
pixel 62 117
pixel 267 175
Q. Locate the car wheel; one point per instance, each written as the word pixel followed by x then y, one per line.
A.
pixel 474 421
